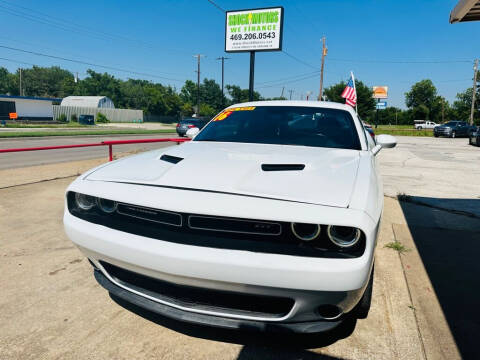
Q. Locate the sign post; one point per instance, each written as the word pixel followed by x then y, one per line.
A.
pixel 380 92
pixel 253 30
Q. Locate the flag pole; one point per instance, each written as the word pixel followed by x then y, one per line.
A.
pixel 354 88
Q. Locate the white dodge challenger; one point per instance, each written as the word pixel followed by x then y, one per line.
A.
pixel 266 220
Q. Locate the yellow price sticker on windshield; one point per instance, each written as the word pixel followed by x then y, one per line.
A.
pixel 226 113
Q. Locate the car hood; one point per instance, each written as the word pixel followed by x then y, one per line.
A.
pixel 328 177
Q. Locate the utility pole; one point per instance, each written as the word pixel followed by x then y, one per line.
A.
pixel 324 53
pixel 472 110
pixel 443 111
pixel 223 58
pixel 290 92
pixel 198 56
pixel 283 89
pixel 20 81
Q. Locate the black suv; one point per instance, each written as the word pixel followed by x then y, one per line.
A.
pixel 453 129
pixel 188 123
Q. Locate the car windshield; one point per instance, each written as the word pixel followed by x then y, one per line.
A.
pixel 284 125
pixel 451 123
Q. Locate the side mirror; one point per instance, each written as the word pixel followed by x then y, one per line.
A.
pixel 384 141
pixel 191 133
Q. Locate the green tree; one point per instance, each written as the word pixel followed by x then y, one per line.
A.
pixel 47 82
pixel 97 84
pixel 463 105
pixel 421 99
pixel 6 81
pixel 365 100
pixel 239 95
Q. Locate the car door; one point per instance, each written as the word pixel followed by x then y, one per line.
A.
pixel 462 128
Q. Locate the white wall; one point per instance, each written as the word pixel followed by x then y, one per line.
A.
pixel 34 108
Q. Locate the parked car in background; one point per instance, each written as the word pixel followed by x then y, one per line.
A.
pixel 190 123
pixel 277 232
pixel 474 138
pixel 422 124
pixel 454 129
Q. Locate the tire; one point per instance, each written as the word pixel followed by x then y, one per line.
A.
pixel 436 135
pixel 454 135
pixel 362 308
pixel 419 128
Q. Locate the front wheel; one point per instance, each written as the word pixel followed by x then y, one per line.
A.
pixel 436 135
pixel 362 308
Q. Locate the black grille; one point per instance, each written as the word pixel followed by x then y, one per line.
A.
pixel 242 226
pixel 202 298
pixel 214 232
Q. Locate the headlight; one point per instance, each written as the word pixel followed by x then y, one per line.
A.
pixel 84 202
pixel 108 206
pixel 306 232
pixel 343 236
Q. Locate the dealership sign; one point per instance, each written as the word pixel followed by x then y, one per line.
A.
pixel 380 92
pixel 254 30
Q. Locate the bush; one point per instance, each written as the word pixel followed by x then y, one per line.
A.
pixel 74 118
pixel 102 119
pixel 62 118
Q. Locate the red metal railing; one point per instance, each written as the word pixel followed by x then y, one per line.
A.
pixel 108 143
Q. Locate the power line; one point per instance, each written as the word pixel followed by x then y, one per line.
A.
pixel 288 78
pixel 402 61
pixel 59 23
pixel 89 64
pixel 299 60
pixel 217 6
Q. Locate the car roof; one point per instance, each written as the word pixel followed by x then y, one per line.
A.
pixel 319 104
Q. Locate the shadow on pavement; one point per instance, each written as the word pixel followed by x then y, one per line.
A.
pixel 449 246
pixel 256 345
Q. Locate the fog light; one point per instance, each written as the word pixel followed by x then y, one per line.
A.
pixel 343 236
pixel 84 202
pixel 108 206
pixel 306 232
pixel 329 312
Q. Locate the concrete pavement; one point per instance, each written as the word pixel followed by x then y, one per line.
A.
pixel 424 300
pixel 440 172
pixel 51 306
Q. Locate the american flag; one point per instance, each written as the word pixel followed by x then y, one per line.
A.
pixel 350 94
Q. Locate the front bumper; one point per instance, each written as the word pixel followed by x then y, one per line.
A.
pixel 310 282
pixel 210 320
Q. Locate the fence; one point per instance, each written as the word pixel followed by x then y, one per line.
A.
pixel 109 143
pixel 114 115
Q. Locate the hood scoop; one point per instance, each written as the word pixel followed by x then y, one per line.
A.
pixel 283 167
pixel 171 159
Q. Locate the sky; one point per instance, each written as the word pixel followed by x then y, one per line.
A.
pixel 392 43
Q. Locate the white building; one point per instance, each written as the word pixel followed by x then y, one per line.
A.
pixel 27 107
pixel 88 101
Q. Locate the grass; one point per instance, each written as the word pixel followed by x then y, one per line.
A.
pixel 401 130
pixel 47 126
pixel 397 246
pixel 14 134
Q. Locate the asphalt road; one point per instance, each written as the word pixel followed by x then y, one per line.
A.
pixel 30 158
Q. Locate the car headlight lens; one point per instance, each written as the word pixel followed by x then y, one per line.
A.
pixel 343 236
pixel 108 206
pixel 306 232
pixel 84 202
